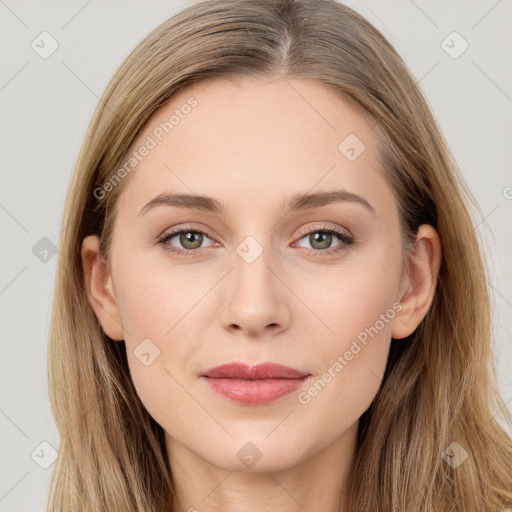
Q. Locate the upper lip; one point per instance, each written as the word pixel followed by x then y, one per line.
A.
pixel 257 372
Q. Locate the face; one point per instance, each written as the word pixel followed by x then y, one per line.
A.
pixel 312 284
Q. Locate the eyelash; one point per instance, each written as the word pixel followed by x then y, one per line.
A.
pixel 342 236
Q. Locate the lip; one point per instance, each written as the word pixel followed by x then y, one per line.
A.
pixel 256 385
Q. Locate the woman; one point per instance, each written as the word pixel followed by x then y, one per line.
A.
pixel 270 294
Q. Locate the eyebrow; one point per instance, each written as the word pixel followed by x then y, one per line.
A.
pixel 295 203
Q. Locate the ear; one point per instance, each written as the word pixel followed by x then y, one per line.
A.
pixel 100 292
pixel 420 280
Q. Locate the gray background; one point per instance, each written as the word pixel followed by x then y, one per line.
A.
pixel 46 105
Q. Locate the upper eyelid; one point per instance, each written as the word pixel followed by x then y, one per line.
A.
pixel 324 227
pixel 179 230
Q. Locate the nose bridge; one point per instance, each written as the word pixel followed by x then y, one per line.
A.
pixel 256 299
pixel 252 262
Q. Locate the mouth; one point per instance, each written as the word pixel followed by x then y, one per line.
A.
pixel 255 385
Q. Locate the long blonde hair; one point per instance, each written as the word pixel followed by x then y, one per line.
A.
pixel 440 384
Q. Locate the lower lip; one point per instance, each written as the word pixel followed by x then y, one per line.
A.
pixel 255 392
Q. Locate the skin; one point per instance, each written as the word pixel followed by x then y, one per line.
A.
pixel 252 145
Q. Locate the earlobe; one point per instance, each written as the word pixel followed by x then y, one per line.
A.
pixel 423 263
pixel 99 287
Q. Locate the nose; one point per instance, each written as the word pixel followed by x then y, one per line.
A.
pixel 257 301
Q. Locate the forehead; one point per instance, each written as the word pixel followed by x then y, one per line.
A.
pixel 255 139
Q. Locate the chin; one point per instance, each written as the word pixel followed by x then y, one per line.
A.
pixel 257 455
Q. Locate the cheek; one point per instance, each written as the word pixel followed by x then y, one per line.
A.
pixel 352 366
pixel 156 297
pixel 358 306
pixel 350 299
pixel 159 308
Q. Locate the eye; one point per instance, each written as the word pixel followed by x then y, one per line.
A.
pixel 189 239
pixel 321 239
